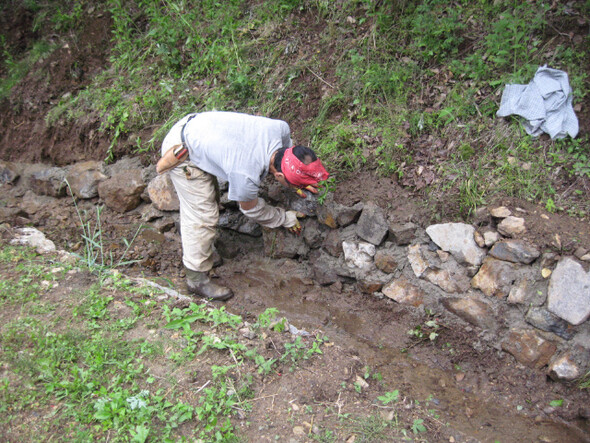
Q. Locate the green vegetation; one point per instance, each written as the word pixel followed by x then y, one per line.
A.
pixel 94 255
pixel 71 359
pixel 396 86
pixel 101 357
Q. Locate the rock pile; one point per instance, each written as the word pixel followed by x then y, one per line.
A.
pixel 532 304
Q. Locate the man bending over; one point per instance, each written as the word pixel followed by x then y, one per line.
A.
pixel 240 149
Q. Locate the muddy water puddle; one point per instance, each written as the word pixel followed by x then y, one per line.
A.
pixel 377 331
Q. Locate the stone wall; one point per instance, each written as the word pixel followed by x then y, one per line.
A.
pixel 532 304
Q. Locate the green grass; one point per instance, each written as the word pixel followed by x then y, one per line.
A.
pixel 386 77
pixel 69 357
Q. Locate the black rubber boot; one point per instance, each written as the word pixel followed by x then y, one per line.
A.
pixel 200 284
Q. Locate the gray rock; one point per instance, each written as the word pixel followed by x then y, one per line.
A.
pixel 11 215
pixel 248 333
pixel 500 212
pixel 162 193
pixel 564 368
pixel 308 205
pixel 495 277
pixel 515 251
pixel 149 173
pixel 512 226
pixel 528 291
pixel 569 292
pixel 34 238
pixel 49 181
pixel 386 261
pixel 347 215
pixel 444 271
pixel 333 243
pixel 32 203
pixel 403 233
pixel 471 310
pixel 150 213
pixel 490 237
pixel 479 240
pixel 165 224
pixel 280 243
pixel 417 262
pixel 368 285
pixel 312 232
pixel 580 252
pixel 542 319
pixel 84 178
pixel 328 270
pixel 124 164
pixel 8 173
pixel 528 347
pixel 457 238
pixel 236 221
pixel 335 215
pixel 447 280
pixel 372 225
pixel 122 192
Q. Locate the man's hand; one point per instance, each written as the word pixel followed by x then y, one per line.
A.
pixel 296 228
pixel 311 188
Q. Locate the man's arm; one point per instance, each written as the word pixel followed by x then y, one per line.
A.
pixel 245 206
pixel 270 216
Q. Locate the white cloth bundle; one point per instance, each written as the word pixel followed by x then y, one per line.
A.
pixel 545 104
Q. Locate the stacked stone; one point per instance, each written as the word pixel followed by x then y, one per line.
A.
pixel 531 304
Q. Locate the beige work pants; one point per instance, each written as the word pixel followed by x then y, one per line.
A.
pixel 199 209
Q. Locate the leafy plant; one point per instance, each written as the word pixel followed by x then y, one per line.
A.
pixel 425 331
pixel 389 397
pixel 298 350
pixel 418 426
pixel 556 403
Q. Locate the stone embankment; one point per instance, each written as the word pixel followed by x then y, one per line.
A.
pixel 530 303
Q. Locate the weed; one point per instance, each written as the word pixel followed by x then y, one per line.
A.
pixel 436 29
pixel 326 436
pixel 426 331
pixel 369 429
pixel 298 350
pixel 19 68
pixel 95 256
pixel 328 187
pixel 418 426
pixel 389 397
pixel 265 318
pixel 584 382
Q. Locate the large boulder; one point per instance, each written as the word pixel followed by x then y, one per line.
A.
pixel 372 225
pixel 457 238
pixel 569 292
pixel 83 179
pixel 122 191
